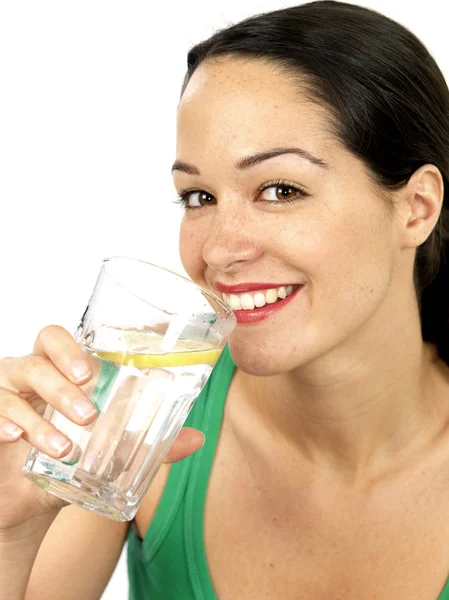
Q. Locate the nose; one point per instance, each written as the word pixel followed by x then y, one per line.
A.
pixel 232 243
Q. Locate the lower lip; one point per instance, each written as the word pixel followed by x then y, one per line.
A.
pixel 260 314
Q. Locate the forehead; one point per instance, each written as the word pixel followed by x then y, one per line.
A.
pixel 246 104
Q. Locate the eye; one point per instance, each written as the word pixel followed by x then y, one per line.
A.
pixel 196 199
pixel 273 192
pixel 281 192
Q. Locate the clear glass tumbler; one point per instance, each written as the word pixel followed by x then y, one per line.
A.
pixel 152 338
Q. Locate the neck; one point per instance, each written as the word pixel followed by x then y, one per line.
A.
pixel 352 409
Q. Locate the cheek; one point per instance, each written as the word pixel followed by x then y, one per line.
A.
pixel 354 263
pixel 348 259
pixel 191 244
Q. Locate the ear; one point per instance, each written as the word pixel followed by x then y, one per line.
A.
pixel 422 203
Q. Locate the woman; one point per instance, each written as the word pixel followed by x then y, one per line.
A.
pixel 312 163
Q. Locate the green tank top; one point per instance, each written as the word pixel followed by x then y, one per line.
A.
pixel 170 563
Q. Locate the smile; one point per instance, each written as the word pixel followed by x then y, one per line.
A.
pixel 258 298
pixel 252 305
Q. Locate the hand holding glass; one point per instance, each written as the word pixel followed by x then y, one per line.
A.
pixel 152 338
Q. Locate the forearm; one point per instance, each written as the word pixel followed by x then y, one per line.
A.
pixel 18 551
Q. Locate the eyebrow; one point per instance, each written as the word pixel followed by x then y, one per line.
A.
pixel 255 159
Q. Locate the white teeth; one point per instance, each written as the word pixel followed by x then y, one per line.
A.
pixel 282 292
pixel 259 299
pixel 271 296
pixel 234 302
pixel 247 301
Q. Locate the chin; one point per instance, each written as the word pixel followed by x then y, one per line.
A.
pixel 261 360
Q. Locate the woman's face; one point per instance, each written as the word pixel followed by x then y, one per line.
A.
pixel 310 218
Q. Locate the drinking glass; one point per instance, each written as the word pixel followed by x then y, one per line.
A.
pixel 152 338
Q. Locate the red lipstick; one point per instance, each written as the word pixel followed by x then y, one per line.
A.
pixel 248 287
pixel 246 317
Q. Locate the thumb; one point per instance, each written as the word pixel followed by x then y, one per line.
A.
pixel 188 441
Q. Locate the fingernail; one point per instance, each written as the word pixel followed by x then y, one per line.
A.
pixel 80 369
pixel 204 441
pixel 83 408
pixel 57 442
pixel 11 431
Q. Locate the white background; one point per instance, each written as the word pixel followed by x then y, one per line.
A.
pixel 88 96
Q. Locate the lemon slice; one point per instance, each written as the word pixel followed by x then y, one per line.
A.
pixel 173 359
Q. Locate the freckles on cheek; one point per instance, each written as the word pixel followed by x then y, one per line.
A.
pixel 191 251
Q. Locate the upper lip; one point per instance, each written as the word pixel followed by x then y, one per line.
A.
pixel 248 287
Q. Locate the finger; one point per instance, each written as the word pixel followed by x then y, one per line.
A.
pixel 9 432
pixel 188 441
pixel 38 375
pixel 58 345
pixel 36 430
